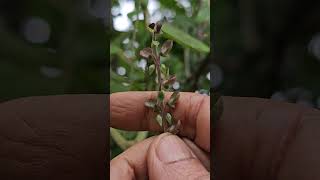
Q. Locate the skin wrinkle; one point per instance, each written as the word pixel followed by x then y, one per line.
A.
pixel 197 114
pixel 136 157
pixel 34 162
pixel 203 156
pixel 149 151
pixel 181 160
pixel 145 114
pixel 288 139
pixel 56 148
pixel 181 164
pixel 48 154
pixel 118 108
pixel 131 168
pixel 158 140
pixel 192 110
pixel 142 114
pixel 187 118
pixel 41 145
pixel 196 174
pixel 31 128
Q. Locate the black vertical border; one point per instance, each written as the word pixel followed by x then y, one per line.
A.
pixel 213 94
pixel 108 30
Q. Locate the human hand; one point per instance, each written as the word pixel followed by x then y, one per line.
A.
pixel 64 137
pixel 262 139
pixel 54 137
pixel 165 156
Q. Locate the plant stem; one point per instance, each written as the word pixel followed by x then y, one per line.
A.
pixel 157 64
pixel 157 60
pixel 186 54
pixel 122 142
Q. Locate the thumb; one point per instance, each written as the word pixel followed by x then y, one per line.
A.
pixel 170 158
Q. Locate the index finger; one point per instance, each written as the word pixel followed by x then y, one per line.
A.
pixel 193 110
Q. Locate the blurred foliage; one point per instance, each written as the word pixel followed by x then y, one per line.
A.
pixel 268 49
pixel 189 60
pixel 71 60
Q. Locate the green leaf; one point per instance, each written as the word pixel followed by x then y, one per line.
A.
pixel 160 96
pixel 156 43
pixel 183 38
pixel 175 96
pixel 151 69
pixel 131 14
pixel 173 5
pixel 173 99
pixel 169 118
pixel 163 68
pixel 159 119
pixel 150 103
pixel 168 72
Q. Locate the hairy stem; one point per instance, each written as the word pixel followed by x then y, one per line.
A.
pixel 157 63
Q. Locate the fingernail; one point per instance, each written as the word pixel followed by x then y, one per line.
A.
pixel 171 148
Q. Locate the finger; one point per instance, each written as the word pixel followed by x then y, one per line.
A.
pixel 128 112
pixel 41 137
pixel 132 163
pixel 262 139
pixel 203 156
pixel 170 158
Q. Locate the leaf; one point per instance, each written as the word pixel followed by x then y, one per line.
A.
pixel 160 96
pixel 175 96
pixel 163 68
pixel 171 105
pixel 170 81
pixel 131 14
pixel 166 47
pixel 183 38
pixel 171 128
pixel 150 104
pixel 173 99
pixel 172 5
pixel 146 52
pixel 159 119
pixel 178 124
pixel 203 15
pixel 169 118
pixel 158 27
pixel 174 129
pixel 156 43
pixel 168 73
pixel 151 69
